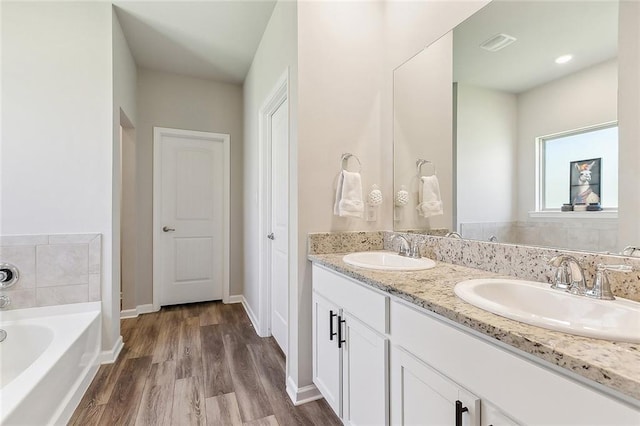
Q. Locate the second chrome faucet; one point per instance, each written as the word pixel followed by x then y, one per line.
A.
pixel 570 277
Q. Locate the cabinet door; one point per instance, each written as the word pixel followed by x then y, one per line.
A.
pixel 421 396
pixel 365 374
pixel 491 416
pixel 326 354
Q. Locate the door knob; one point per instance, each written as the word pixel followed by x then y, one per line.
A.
pixel 271 236
pixel 167 229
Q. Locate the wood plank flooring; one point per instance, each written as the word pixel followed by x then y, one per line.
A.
pixel 196 364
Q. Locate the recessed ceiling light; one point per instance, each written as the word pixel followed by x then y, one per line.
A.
pixel 563 59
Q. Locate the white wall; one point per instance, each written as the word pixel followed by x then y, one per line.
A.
pixel 340 59
pixel 276 53
pixel 629 122
pixel 57 136
pixel 486 154
pixel 124 172
pixel 346 54
pixel 582 99
pixel 170 100
pixel 423 105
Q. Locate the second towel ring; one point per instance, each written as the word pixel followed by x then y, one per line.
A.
pixel 344 161
pixel 420 162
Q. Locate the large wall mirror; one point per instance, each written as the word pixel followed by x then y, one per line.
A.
pixel 515 113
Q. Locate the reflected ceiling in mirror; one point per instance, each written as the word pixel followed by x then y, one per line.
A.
pixel 541 32
pixel 502 101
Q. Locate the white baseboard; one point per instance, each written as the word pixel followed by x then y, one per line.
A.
pixel 110 356
pixel 138 310
pixel 250 314
pixel 253 318
pixel 302 395
pixel 236 298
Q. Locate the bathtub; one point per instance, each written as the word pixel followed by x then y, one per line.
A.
pixel 47 362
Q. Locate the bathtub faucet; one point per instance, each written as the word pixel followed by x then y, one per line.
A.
pixel 3 335
pixel 4 301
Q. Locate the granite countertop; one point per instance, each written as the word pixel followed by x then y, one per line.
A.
pixel 615 365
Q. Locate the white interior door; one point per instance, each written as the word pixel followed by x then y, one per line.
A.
pixel 190 184
pixel 280 223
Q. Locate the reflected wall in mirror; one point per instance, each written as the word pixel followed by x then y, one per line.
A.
pixel 505 106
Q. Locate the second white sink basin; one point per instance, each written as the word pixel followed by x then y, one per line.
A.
pixel 536 304
pixel 387 261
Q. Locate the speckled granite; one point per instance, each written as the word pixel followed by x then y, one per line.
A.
pixel 344 242
pixel 524 262
pixel 612 364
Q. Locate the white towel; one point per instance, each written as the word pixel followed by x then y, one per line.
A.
pixel 349 195
pixel 429 202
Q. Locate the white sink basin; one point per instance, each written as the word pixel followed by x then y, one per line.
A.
pixel 387 261
pixel 536 304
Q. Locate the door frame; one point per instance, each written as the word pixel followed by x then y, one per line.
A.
pixel 279 94
pixel 158 133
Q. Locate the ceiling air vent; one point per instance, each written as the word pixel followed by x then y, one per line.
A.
pixel 497 42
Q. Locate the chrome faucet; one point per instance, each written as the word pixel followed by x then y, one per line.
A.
pixel 4 301
pixel 601 288
pixel 453 234
pixel 569 275
pixel 407 248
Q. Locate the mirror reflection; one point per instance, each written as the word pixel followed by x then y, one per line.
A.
pixel 534 98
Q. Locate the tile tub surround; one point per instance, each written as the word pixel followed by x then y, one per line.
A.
pixel 612 364
pixel 600 235
pixel 54 269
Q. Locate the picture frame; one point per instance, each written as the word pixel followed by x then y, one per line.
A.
pixel 585 181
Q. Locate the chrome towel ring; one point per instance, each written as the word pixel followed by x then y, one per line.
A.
pixel 344 161
pixel 420 162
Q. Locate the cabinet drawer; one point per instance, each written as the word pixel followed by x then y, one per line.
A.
pixel 366 304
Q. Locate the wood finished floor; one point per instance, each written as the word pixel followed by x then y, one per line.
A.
pixel 196 364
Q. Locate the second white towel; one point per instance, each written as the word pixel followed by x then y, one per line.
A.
pixel 349 195
pixel 429 201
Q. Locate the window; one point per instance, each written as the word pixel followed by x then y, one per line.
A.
pixel 559 154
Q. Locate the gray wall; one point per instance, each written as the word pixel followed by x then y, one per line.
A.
pixel 169 100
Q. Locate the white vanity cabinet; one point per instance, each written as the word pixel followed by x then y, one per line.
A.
pixel 513 388
pixel 350 348
pixel 408 366
pixel 421 396
pixel 327 357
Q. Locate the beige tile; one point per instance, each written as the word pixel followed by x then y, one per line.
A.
pixel 62 264
pixel 71 238
pixel 61 295
pixel 21 299
pixel 583 239
pixel 608 241
pixel 94 287
pixel 95 254
pixel 23 240
pixel 23 258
